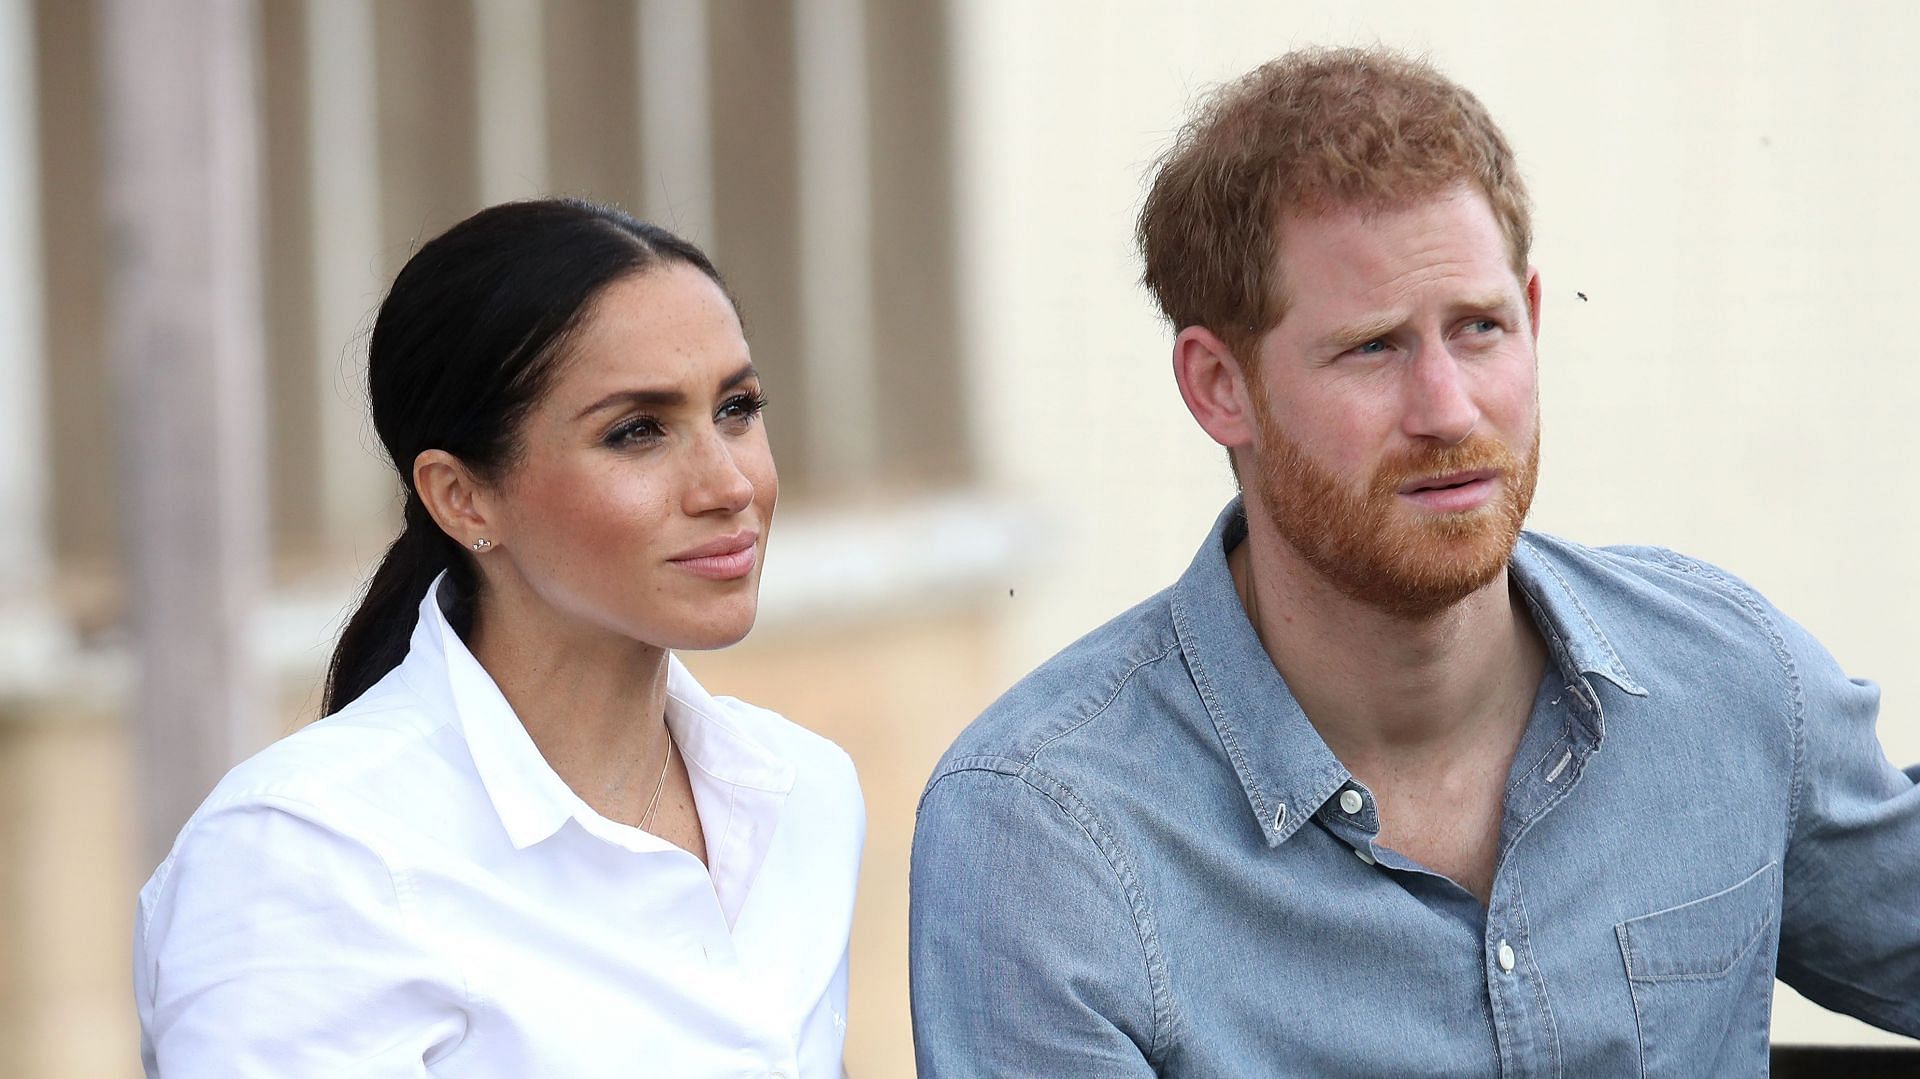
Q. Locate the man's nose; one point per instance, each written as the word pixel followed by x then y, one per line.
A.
pixel 1437 397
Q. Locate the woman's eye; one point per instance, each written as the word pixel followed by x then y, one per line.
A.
pixel 741 408
pixel 636 431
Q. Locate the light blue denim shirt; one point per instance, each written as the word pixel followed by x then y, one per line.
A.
pixel 1144 860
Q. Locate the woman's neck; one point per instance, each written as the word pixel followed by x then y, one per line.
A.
pixel 593 701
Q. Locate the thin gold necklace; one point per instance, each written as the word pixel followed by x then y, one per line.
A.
pixel 658 784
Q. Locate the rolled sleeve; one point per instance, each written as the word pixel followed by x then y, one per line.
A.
pixel 273 945
pixel 1850 922
pixel 1029 951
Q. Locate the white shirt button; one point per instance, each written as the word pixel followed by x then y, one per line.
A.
pixel 1364 854
pixel 1505 957
pixel 1351 801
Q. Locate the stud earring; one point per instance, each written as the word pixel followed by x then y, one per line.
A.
pixel 481 544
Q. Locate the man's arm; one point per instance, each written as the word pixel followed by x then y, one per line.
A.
pixel 1850 916
pixel 1026 954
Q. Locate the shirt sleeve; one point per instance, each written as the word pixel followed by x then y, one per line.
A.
pixel 1026 957
pixel 1850 912
pixel 270 944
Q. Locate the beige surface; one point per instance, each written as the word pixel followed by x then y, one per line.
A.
pixel 66 900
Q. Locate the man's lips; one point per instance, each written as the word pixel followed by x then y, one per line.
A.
pixel 1449 481
pixel 1455 492
pixel 721 559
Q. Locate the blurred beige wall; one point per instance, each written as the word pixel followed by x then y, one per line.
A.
pixel 1727 183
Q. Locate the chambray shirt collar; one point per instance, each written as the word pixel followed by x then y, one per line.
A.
pixel 1285 768
pixel 1579 646
pixel 533 802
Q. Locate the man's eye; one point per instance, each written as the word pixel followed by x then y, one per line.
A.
pixel 1372 348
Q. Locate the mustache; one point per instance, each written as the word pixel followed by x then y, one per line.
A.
pixel 1471 454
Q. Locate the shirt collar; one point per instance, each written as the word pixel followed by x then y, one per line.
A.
pixel 1285 768
pixel 1580 647
pixel 533 802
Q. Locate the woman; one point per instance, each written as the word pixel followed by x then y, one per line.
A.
pixel 525 842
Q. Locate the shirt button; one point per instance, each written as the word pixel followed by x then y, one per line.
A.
pixel 1351 801
pixel 1364 854
pixel 1505 957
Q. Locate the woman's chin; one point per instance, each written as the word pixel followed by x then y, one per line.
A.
pixel 721 633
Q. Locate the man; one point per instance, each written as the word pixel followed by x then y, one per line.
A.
pixel 1384 785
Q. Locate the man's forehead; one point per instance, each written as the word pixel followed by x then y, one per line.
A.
pixel 1353 276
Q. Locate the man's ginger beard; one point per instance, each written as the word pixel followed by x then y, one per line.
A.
pixel 1376 551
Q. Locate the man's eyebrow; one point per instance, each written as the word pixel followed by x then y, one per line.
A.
pixel 1491 301
pixel 662 398
pixel 1359 333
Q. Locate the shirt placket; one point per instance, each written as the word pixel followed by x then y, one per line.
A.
pixel 1517 992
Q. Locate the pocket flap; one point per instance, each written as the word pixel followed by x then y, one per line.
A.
pixel 1703 938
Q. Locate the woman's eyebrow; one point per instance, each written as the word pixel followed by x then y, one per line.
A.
pixel 662 398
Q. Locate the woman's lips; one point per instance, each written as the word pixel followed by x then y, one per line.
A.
pixel 724 559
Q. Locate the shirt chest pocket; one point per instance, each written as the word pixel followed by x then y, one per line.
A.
pixel 1701 975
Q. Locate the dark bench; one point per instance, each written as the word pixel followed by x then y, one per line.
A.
pixel 1845 1062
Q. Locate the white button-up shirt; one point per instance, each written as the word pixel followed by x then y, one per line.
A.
pixel 407 888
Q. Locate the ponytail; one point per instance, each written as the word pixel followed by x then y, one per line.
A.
pixel 375 640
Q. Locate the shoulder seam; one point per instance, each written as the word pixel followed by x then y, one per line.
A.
pixel 1118 688
pixel 1748 601
pixel 1070 804
pixel 405 896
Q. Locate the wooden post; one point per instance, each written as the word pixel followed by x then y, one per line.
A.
pixel 25 559
pixel 343 129
pixel 836 242
pixel 185 330
pixel 510 92
pixel 676 117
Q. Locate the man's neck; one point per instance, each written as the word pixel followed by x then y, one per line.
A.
pixel 1383 689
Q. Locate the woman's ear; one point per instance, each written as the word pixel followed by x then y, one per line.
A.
pixel 456 499
pixel 1214 387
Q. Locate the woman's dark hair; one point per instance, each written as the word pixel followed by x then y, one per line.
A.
pixel 466 343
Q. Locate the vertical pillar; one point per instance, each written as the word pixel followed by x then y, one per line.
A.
pixel 343 123
pixel 836 246
pixel 676 117
pixel 185 341
pixel 25 556
pixel 511 97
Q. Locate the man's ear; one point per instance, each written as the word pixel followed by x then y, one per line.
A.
pixel 1215 388
pixel 1533 301
pixel 456 500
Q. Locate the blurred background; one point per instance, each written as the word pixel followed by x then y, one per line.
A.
pixel 926 209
